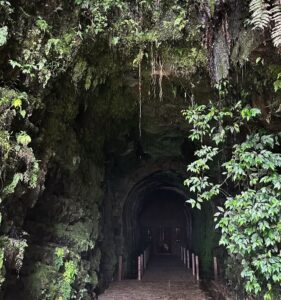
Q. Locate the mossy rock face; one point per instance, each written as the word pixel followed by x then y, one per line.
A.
pixel 80 236
pixel 95 260
pixel 205 239
pixel 41 284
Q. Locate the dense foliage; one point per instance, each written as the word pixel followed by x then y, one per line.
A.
pixel 248 180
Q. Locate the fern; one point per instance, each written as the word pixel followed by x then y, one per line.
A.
pixel 260 14
pixel 276 31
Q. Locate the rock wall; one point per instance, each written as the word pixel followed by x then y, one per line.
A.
pixel 101 144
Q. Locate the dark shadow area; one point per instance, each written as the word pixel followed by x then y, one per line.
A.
pixel 163 222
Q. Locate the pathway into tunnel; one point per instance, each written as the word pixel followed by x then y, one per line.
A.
pixel 157 217
pixel 165 278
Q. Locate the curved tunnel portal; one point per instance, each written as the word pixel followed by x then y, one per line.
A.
pixel 156 214
pixel 163 222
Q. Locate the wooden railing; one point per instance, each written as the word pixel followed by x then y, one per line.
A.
pixel 143 259
pixel 120 268
pixel 190 260
pixel 216 268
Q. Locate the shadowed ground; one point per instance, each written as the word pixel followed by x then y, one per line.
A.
pixel 165 278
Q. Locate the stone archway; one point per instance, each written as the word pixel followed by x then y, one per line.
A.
pixel 167 184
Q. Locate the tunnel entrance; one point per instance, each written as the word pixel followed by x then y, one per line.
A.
pixel 149 207
pixel 159 224
pixel 163 222
pixel 155 213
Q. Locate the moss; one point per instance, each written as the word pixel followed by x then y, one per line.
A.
pixel 94 278
pixel 41 284
pixel 95 260
pixel 185 61
pixel 88 80
pixel 247 41
pixel 204 238
pixel 273 71
pixel 80 236
pixel 212 6
pixel 79 70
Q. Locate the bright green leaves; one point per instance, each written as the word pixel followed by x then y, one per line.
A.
pixel 200 184
pixel 47 53
pixel 250 222
pixel 23 138
pixel 250 230
pixel 18 164
pixel 248 113
pixel 17 102
pixel 98 12
pixel 253 159
pixel 59 257
pixel 42 25
pixel 215 124
pixel 210 121
pixel 199 120
pixel 62 260
pixel 180 21
pixel 70 271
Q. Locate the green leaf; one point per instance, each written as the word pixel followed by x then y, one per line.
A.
pixel 42 24
pixel 23 138
pixel 277 85
pixel 23 113
pixel 17 102
pixel 115 40
pixel 14 64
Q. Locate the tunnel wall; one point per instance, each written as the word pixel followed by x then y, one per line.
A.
pixel 204 238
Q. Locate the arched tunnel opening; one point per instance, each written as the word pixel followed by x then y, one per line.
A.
pixel 156 214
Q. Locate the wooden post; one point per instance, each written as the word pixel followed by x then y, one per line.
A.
pixel 120 268
pixel 193 264
pixel 215 268
pixel 144 260
pixel 197 267
pixel 184 256
pixel 181 252
pixel 139 268
pixel 187 259
pixel 142 265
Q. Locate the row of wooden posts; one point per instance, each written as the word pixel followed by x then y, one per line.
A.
pixel 193 262
pixel 142 264
pixel 190 261
pixel 142 261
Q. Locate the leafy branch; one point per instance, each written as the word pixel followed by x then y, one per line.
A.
pixel 250 221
